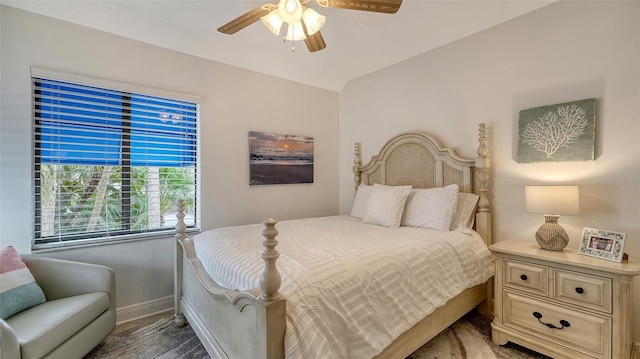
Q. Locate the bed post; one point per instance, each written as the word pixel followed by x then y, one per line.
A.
pixel 357 162
pixel 270 280
pixel 271 306
pixel 181 229
pixel 483 215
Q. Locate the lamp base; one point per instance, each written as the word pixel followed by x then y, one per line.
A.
pixel 551 235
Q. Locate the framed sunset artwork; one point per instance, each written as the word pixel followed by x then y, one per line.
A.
pixel 276 158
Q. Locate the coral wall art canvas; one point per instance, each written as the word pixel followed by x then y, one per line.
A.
pixel 561 132
pixel 280 159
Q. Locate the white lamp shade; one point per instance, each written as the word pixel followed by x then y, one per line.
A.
pixel 295 32
pixel 290 11
pixel 552 199
pixel 313 20
pixel 273 22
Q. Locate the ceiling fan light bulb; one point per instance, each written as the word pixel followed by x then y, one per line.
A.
pixel 291 6
pixel 313 20
pixel 290 11
pixel 295 32
pixel 273 22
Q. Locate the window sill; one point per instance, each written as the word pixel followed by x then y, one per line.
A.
pixel 93 242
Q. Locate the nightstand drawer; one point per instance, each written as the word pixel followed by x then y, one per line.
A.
pixel 526 276
pixel 584 290
pixel 585 332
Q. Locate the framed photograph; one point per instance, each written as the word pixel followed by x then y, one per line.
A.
pixel 603 244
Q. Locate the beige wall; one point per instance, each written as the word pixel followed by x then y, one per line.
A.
pixel 234 101
pixel 566 51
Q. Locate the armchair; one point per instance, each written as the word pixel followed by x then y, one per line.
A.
pixel 79 313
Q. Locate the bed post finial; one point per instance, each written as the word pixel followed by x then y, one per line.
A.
pixel 482 162
pixel 270 280
pixel 181 227
pixel 357 162
pixel 482 138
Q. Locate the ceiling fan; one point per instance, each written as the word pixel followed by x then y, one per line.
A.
pixel 303 23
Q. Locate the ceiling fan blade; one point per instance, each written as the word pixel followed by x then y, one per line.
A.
pixel 384 6
pixel 314 42
pixel 244 20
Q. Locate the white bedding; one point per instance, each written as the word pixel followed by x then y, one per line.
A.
pixel 351 288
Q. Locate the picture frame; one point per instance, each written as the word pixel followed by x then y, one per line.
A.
pixel 559 132
pixel 276 158
pixel 603 244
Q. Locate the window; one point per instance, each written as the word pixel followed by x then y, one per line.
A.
pixel 110 163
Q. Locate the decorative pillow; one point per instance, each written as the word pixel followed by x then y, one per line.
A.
pixel 359 207
pixel 18 288
pixel 464 217
pixel 386 205
pixel 431 207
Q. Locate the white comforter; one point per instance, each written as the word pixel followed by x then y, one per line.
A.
pixel 351 288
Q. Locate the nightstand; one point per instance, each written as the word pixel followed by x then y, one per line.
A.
pixel 562 303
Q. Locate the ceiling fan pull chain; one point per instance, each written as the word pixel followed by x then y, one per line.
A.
pixel 293 36
pixel 293 43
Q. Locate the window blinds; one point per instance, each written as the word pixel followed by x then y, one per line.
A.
pixel 109 162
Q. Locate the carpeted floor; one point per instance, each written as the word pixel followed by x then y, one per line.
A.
pixel 469 337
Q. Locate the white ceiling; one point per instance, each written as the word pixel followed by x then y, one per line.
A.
pixel 358 42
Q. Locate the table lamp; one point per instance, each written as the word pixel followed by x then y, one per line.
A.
pixel 552 201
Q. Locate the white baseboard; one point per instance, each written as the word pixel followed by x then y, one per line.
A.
pixel 144 309
pixel 635 352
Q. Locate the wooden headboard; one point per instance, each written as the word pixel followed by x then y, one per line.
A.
pixel 415 158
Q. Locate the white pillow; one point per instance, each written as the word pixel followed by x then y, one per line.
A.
pixel 431 207
pixel 465 214
pixel 359 207
pixel 386 205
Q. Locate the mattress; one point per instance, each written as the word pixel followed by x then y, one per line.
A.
pixel 351 288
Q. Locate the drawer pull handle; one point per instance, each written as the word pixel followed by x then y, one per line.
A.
pixel 579 290
pixel 523 276
pixel 563 323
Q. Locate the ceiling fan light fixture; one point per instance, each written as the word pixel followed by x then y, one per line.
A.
pixel 295 32
pixel 273 22
pixel 290 11
pixel 303 23
pixel 313 20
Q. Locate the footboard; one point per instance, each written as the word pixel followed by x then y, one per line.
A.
pixel 230 323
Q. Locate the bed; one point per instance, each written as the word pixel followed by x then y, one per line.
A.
pixel 311 298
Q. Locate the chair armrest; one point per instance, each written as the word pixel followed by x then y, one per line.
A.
pixel 60 278
pixel 9 346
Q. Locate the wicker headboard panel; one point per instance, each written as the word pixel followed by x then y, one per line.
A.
pixel 417 159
